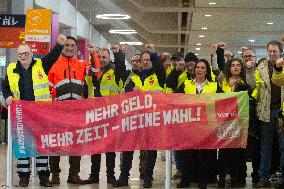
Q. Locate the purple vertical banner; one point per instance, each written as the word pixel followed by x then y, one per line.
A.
pixel 82 52
pixel 54 28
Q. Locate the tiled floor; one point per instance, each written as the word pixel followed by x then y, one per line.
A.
pixel 159 174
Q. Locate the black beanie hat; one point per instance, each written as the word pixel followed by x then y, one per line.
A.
pixel 190 57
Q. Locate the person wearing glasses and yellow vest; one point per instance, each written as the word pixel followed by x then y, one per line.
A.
pixel 108 84
pixel 27 80
pixel 146 80
pixel 198 162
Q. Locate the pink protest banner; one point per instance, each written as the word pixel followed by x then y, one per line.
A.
pixel 132 121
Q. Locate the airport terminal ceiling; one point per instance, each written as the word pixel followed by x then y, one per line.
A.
pixel 191 25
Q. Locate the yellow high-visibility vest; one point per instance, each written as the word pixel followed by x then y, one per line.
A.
pixel 39 79
pixel 151 83
pixel 190 87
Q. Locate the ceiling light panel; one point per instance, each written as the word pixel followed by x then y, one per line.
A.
pixel 113 16
pixel 131 43
pixel 125 32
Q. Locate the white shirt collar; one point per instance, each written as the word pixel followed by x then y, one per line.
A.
pixel 199 87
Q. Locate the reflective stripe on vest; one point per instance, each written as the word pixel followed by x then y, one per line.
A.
pixel 68 95
pixel 190 87
pixel 39 79
pixel 108 85
pixel 150 83
pixel 65 81
pixel 40 86
pixel 91 87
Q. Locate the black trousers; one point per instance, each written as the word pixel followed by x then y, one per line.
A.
pixel 74 162
pixel 198 163
pixel 96 165
pixel 234 160
pixel 253 153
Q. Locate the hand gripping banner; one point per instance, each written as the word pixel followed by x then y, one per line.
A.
pixel 131 121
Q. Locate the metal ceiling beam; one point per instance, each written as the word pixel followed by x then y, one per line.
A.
pixel 215 32
pixel 212 10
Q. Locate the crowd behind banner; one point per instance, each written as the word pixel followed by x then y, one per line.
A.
pixel 61 76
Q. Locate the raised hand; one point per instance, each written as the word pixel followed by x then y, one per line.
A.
pixel 124 48
pixel 213 49
pixel 61 39
pixel 91 48
pixel 221 45
pixel 150 47
pixel 249 64
pixel 166 55
pixel 279 63
pixel 9 100
pixel 180 65
pixel 114 48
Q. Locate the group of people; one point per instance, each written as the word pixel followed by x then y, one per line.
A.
pixel 61 76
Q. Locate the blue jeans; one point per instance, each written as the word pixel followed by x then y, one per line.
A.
pixel 267 132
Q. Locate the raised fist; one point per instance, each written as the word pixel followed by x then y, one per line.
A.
pixel 124 48
pixel 221 45
pixel 180 65
pixel 114 48
pixel 213 49
pixel 61 39
pixel 279 63
pixel 91 48
pixel 166 55
pixel 228 54
pixel 249 64
pixel 150 47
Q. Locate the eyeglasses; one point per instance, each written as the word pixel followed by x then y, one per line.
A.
pixel 135 61
pixel 249 57
pixel 23 54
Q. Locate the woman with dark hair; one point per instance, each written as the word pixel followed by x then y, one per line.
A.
pixel 202 161
pixel 233 159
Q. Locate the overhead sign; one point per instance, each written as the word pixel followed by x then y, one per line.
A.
pixel 38 30
pixel 12 30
